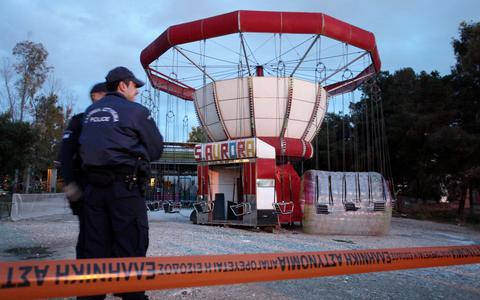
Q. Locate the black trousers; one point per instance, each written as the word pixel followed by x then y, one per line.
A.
pixel 79 248
pixel 115 225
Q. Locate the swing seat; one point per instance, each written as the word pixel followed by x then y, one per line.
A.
pixel 203 207
pixel 379 206
pixel 171 208
pixel 350 206
pixel 241 209
pixel 153 205
pixel 322 209
pixel 283 208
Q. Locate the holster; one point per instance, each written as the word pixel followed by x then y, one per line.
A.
pixel 143 169
pixel 143 173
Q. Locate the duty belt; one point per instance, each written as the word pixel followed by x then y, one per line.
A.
pixel 105 176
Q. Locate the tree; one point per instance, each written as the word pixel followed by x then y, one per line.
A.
pixel 23 89
pixel 466 77
pixel 16 149
pixel 32 69
pixel 467 52
pixel 66 98
pixel 334 134
pixel 197 135
pixel 466 104
pixel 49 125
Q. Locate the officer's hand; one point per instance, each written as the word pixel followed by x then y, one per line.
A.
pixel 72 192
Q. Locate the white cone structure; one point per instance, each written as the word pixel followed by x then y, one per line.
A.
pixel 283 107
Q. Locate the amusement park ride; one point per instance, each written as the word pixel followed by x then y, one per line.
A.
pixel 261 83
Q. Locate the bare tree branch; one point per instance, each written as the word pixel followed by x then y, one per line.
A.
pixel 6 73
pixel 32 69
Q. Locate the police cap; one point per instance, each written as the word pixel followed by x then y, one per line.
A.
pixel 100 87
pixel 122 73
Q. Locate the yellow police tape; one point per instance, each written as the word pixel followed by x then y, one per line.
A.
pixel 60 278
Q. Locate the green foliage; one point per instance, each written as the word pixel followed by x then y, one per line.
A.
pixel 466 83
pixel 467 51
pixel 466 78
pixel 46 117
pixel 414 119
pixel 48 126
pixel 330 145
pixel 16 149
pixel 197 135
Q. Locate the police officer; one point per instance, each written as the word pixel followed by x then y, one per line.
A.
pixel 71 164
pixel 118 140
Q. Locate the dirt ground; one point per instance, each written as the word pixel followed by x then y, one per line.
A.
pixel 54 237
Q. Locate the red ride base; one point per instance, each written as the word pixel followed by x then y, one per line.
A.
pixel 287 186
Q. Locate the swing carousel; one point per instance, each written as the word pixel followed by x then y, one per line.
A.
pixel 261 84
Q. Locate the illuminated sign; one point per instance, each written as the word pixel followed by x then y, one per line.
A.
pixel 227 150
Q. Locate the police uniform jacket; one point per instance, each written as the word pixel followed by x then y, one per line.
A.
pixel 117 131
pixel 69 155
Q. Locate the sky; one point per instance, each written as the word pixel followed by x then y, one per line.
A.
pixel 87 38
